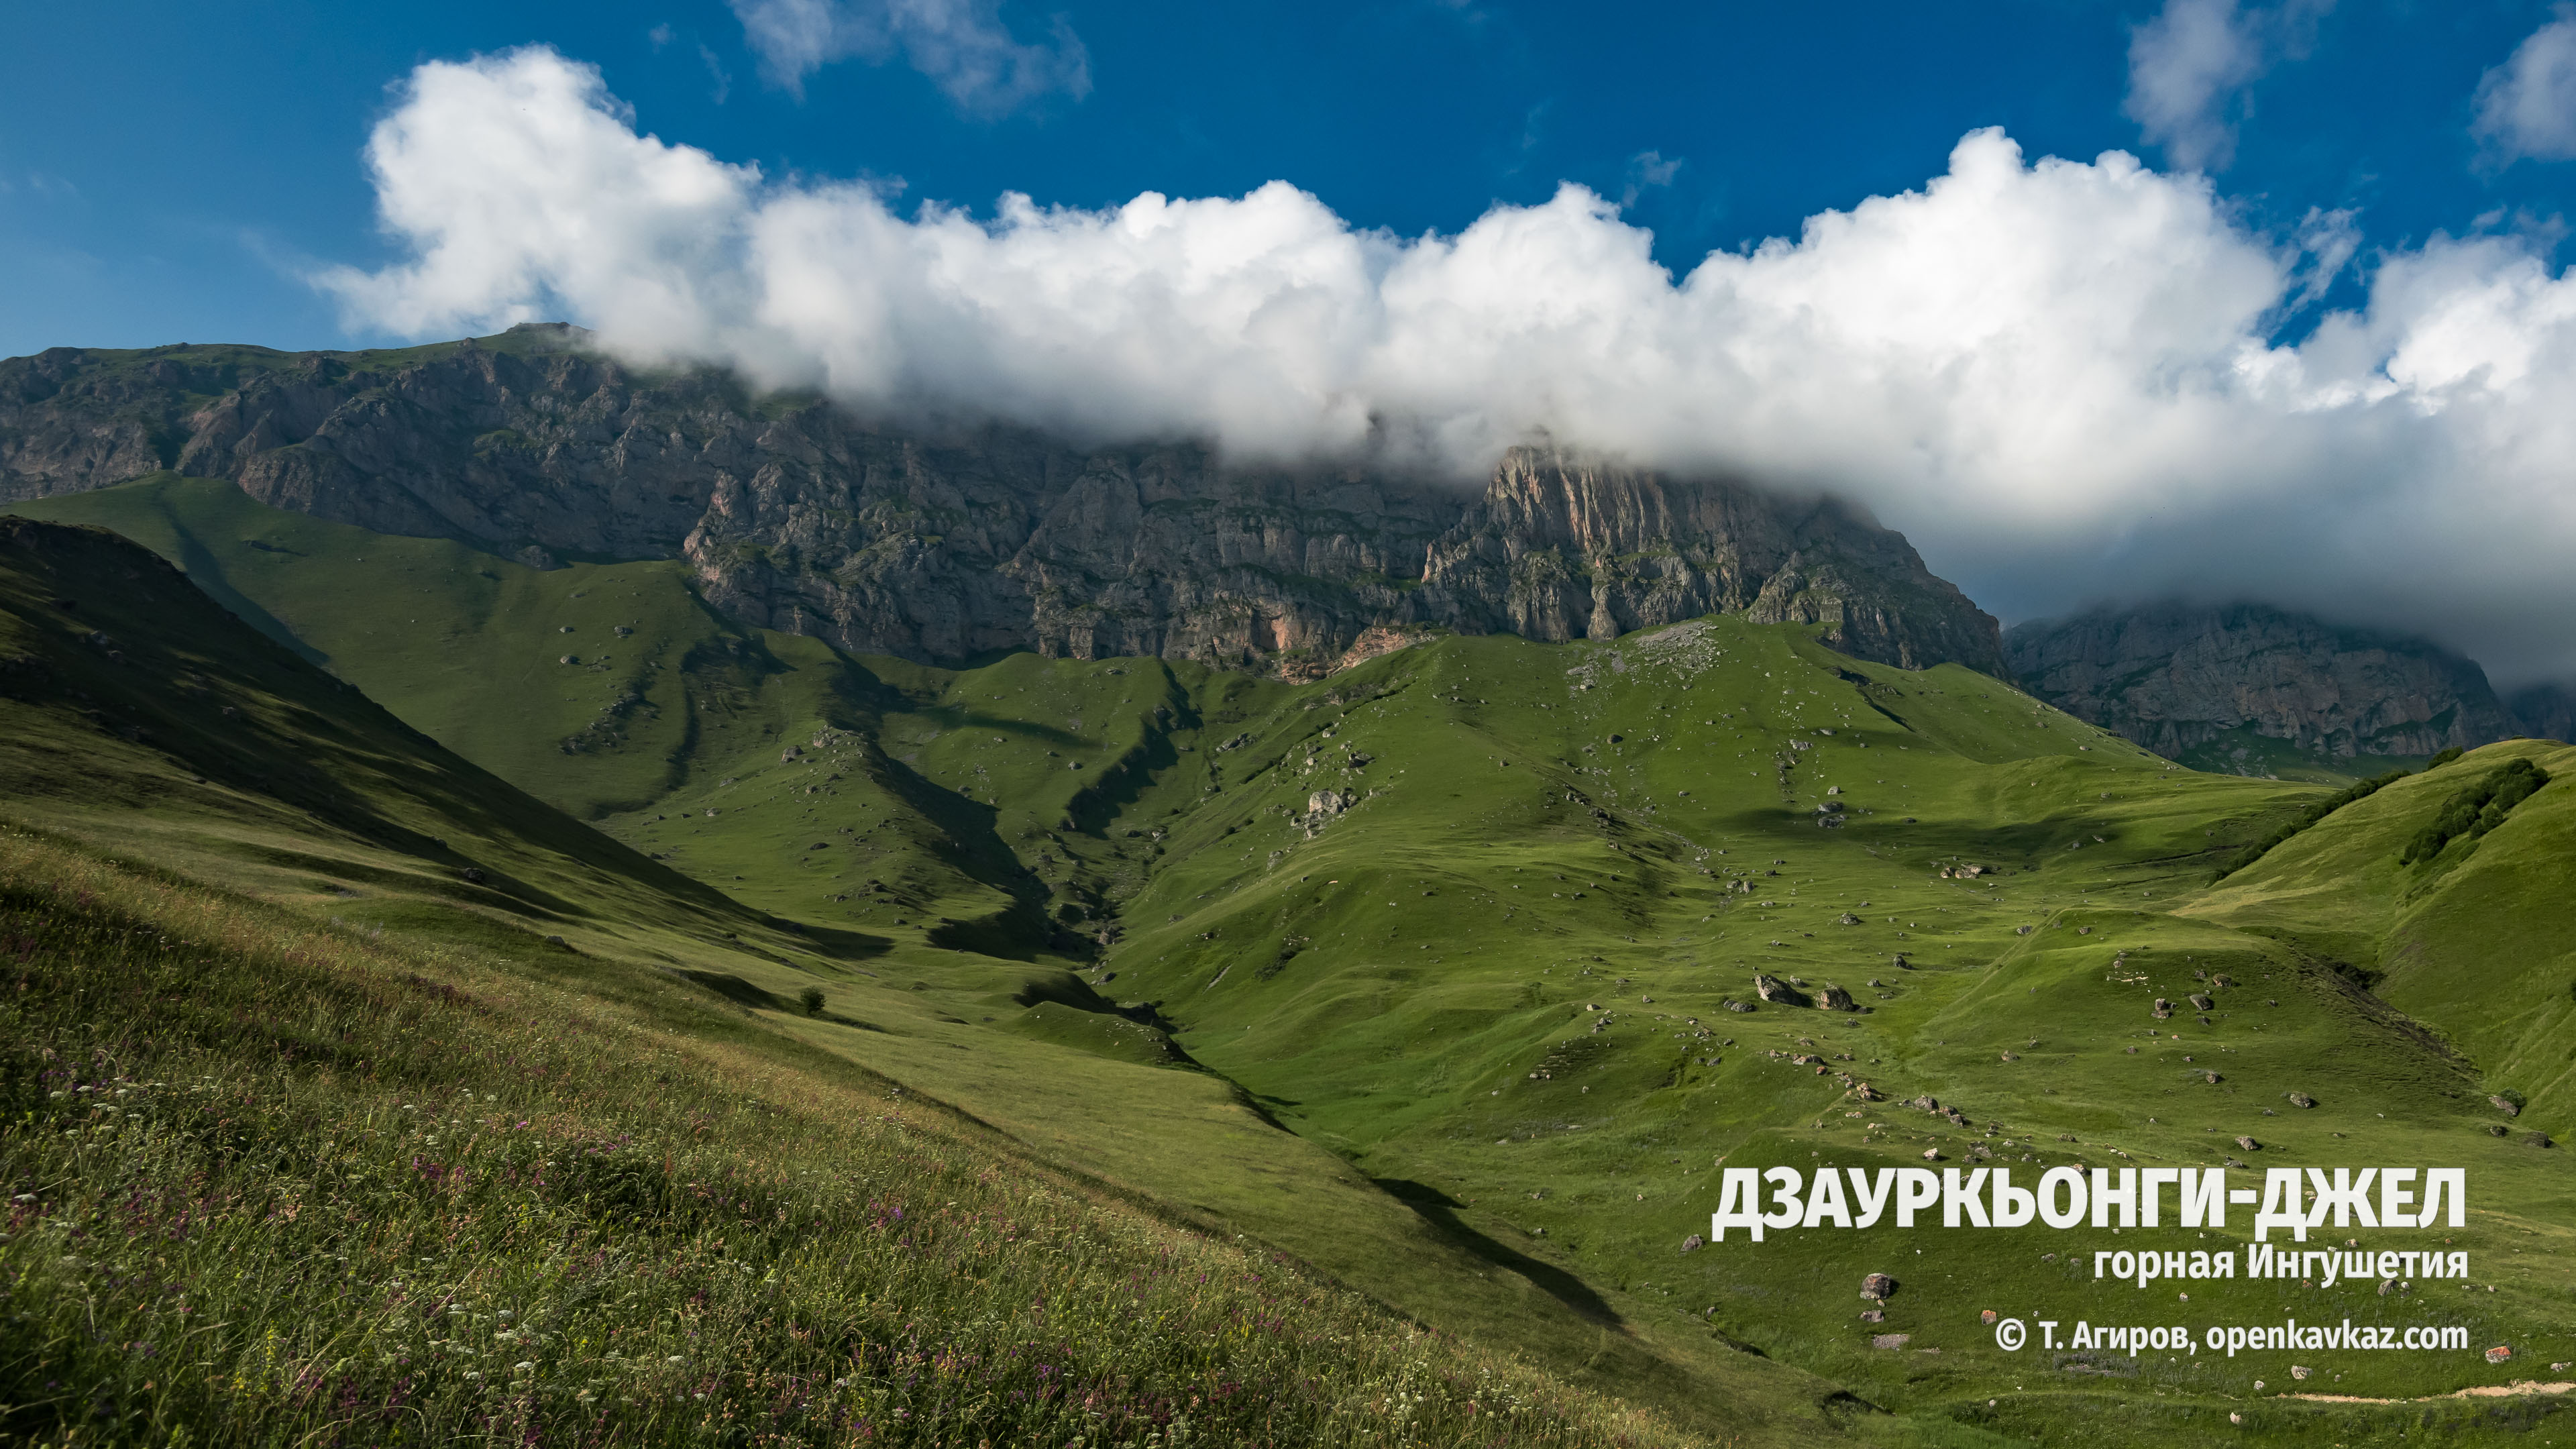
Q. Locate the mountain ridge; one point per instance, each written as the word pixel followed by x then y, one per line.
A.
pixel 799 516
pixel 2192 682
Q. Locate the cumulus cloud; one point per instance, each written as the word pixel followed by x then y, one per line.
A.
pixel 2527 106
pixel 2059 377
pixel 962 45
pixel 2192 67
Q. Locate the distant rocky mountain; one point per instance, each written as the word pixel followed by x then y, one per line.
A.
pixel 2545 711
pixel 800 516
pixel 2176 677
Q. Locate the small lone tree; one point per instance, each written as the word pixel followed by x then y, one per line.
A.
pixel 811 998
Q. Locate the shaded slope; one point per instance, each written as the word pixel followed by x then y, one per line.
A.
pixel 136 704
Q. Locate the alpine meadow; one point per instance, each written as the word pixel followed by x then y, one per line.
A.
pixel 457 995
pixel 1491 724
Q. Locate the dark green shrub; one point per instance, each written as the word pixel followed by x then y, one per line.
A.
pixel 811 998
pixel 2476 809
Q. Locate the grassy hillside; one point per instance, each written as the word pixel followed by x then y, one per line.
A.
pixel 279 1181
pixel 2474 940
pixel 222 1093
pixel 109 727
pixel 1468 919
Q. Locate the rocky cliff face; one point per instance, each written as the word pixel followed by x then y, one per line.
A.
pixel 800 516
pixel 2174 676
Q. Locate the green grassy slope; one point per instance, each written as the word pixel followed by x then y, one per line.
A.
pixel 274 1180
pixel 466 646
pixel 2475 941
pixel 1546 838
pixel 1468 918
pixel 144 726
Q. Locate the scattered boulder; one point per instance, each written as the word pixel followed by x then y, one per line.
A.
pixel 1693 1243
pixel 1739 1006
pixel 1889 1340
pixel 1873 1315
pixel 1931 1154
pixel 1329 802
pixel 1837 999
pixel 2212 1077
pixel 2200 1002
pixel 471 875
pixel 2221 982
pixel 2495 1129
pixel 1878 1287
pixel 2535 1139
pixel 2164 1009
pixel 2249 1144
pixel 2507 1106
pixel 1775 990
pixel 2301 1099
pixel 1846 919
pixel 2084 930
pixel 2021 930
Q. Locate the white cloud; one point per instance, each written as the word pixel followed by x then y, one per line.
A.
pixel 2192 67
pixel 2527 106
pixel 962 45
pixel 2057 377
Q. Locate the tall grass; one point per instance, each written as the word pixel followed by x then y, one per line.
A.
pixel 271 1182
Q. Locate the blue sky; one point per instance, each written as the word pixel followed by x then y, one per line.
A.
pixel 170 169
pixel 2288 317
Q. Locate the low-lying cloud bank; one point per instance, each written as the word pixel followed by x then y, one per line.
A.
pixel 2057 377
